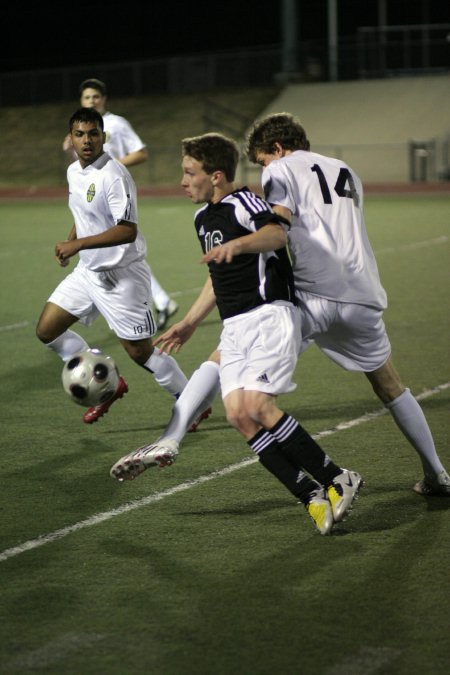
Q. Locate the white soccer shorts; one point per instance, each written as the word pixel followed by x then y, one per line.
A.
pixel 354 336
pixel 123 296
pixel 258 350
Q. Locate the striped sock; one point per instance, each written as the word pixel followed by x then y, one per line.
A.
pixel 303 451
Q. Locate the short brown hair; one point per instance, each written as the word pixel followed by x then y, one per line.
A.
pixel 282 128
pixel 215 151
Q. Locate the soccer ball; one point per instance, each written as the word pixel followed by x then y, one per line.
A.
pixel 90 377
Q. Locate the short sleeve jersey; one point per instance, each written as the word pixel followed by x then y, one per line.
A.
pixel 121 138
pixel 330 249
pixel 250 280
pixel 100 196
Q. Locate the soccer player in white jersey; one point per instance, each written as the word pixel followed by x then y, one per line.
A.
pixel 112 276
pixel 124 144
pixel 336 276
pixel 332 272
pixel 250 276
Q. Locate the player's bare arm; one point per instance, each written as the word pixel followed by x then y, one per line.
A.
pixel 174 338
pixel 122 233
pixel 269 238
pixel 134 158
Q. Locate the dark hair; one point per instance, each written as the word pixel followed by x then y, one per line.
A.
pixel 282 128
pixel 215 151
pixel 93 83
pixel 86 115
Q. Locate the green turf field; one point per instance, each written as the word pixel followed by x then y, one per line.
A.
pixel 209 567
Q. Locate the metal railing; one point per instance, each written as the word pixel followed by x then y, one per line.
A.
pixel 381 51
pixel 384 51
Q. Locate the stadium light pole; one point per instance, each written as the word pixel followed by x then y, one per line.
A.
pixel 332 41
pixel 289 32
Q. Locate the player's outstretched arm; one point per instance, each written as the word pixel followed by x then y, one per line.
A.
pixel 271 237
pixel 175 337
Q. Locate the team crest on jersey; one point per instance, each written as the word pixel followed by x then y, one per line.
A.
pixel 90 193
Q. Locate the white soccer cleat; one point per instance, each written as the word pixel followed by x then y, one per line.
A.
pixel 342 492
pixel 435 485
pixel 162 453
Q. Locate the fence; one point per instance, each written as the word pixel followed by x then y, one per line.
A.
pixel 381 51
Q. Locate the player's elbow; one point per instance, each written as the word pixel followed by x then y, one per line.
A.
pixel 141 156
pixel 282 238
pixel 129 232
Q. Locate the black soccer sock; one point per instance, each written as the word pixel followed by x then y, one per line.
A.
pixel 268 451
pixel 303 451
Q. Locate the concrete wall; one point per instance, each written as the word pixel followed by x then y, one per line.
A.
pixel 370 124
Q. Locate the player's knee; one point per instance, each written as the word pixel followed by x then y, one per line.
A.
pixel 215 357
pixel 139 350
pixel 260 408
pixel 44 333
pixel 234 418
pixel 238 419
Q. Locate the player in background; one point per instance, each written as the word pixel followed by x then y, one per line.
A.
pixel 250 274
pixel 338 286
pixel 112 276
pixel 122 143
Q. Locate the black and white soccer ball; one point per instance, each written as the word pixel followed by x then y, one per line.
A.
pixel 90 377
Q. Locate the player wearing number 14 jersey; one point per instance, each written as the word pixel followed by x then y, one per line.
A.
pixel 336 277
pixel 332 256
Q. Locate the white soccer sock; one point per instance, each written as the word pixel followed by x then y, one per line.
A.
pixel 67 344
pixel 197 396
pixel 166 372
pixel 410 419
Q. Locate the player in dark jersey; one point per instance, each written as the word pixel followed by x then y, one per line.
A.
pixel 251 281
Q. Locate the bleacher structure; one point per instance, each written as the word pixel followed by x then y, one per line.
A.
pixel 388 130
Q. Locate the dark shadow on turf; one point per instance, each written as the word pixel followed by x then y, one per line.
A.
pixel 242 510
pixel 159 428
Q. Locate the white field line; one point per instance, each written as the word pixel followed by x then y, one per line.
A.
pixel 158 496
pixel 413 245
pixel 14 326
pixel 367 660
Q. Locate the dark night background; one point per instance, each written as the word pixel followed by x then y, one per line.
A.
pixel 46 35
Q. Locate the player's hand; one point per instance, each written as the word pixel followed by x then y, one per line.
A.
pixel 175 337
pixel 223 253
pixel 65 250
pixel 67 143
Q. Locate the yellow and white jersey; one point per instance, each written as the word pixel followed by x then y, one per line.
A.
pixel 121 138
pixel 331 253
pixel 100 196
